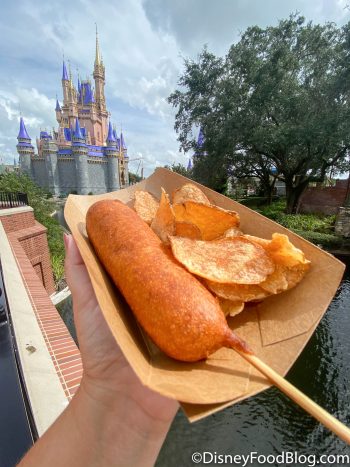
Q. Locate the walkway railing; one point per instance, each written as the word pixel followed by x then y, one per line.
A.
pixel 12 200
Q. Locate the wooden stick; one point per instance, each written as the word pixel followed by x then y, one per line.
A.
pixel 297 396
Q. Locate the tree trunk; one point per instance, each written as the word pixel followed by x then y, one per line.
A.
pixel 267 187
pixel 271 190
pixel 293 194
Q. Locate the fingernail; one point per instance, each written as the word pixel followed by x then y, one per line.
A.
pixel 66 240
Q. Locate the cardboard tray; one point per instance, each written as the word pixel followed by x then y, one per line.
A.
pixel 277 329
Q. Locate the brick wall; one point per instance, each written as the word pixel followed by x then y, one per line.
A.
pixel 13 221
pixel 22 226
pixel 326 200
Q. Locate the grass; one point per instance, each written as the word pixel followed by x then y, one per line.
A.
pixel 315 228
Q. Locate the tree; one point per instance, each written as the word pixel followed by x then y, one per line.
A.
pixel 180 169
pixel 134 178
pixel 281 93
pixel 249 164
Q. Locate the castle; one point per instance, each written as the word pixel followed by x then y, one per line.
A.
pixel 84 155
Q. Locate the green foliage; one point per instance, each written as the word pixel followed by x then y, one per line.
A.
pixel 37 198
pixel 57 267
pixel 306 222
pixel 318 229
pixel 279 100
pixel 254 202
pixel 43 206
pixel 134 178
pixel 274 210
pixel 323 239
pixel 180 169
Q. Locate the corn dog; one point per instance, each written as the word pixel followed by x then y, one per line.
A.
pixel 180 315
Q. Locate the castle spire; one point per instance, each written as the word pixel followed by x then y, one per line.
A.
pixel 77 133
pixel 97 54
pixel 64 72
pixel 23 134
pixel 200 141
pixel 122 141
pixel 111 136
pixel 58 107
pixel 70 75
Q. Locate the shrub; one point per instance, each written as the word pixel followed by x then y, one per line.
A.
pixel 43 206
pixel 323 239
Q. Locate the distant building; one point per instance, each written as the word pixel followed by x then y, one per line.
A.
pixel 84 155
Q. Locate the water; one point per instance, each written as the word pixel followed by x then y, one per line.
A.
pixel 60 217
pixel 270 423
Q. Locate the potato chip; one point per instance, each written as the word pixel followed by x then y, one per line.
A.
pixel 291 264
pixel 212 221
pixel 189 192
pixel 226 260
pixel 164 222
pixel 231 308
pixel 145 205
pixel 238 292
pixel 188 230
pixel 277 281
pixel 232 232
pixel 284 278
pixel 281 250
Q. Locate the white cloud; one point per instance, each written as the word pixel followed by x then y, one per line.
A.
pixel 141 42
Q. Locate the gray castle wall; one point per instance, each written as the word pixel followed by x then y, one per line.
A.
pixel 39 172
pixel 67 174
pixel 99 174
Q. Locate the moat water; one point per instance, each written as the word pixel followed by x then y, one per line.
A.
pixel 270 423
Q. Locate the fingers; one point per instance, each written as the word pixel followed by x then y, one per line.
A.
pixel 73 254
pixel 76 274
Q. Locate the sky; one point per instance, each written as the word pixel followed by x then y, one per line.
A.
pixel 143 44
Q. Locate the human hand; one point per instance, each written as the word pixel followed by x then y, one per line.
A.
pixel 108 380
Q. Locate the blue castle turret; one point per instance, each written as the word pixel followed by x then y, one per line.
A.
pixel 65 83
pixel 200 146
pixel 58 107
pixel 80 151
pixel 58 111
pixel 25 148
pixel 111 153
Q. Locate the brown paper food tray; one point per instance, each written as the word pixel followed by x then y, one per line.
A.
pixel 277 329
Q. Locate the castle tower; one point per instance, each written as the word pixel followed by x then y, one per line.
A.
pixel 81 164
pixel 24 149
pixel 49 148
pixel 111 153
pixel 123 162
pixel 58 111
pixel 99 77
pixel 65 85
pixel 200 151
